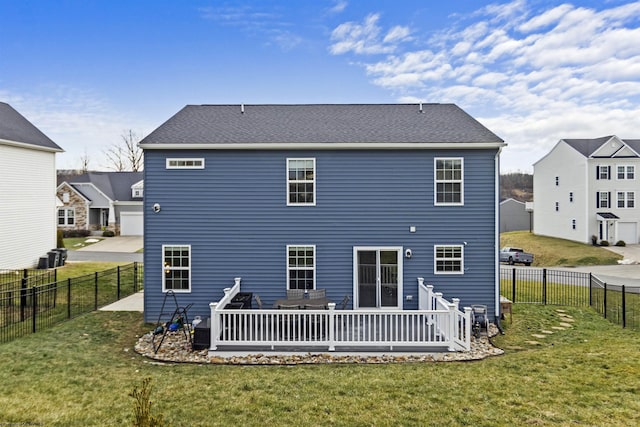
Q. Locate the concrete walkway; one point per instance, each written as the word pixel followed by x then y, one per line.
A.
pixel 133 302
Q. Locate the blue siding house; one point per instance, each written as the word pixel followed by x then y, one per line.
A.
pixel 360 200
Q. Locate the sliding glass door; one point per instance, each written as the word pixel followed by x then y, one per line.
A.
pixel 377 275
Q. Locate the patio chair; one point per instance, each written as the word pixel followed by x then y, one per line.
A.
pixel 295 293
pixel 258 301
pixel 343 304
pixel 316 307
pixel 289 307
pixel 317 293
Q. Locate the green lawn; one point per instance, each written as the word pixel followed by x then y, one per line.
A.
pixel 551 252
pixel 81 372
pixel 75 243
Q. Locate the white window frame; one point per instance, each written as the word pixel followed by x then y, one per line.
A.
pixel 291 268
pixel 301 181
pixel 185 163
pixel 627 170
pixel 166 268
pixel 66 217
pixel 603 173
pixel 437 181
pixel 436 259
pixel 628 199
pixel 604 196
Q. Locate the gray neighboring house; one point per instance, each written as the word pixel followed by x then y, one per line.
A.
pixel 28 170
pixel 515 215
pixel 99 201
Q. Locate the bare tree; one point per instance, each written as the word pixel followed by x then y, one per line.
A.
pixel 84 162
pixel 126 156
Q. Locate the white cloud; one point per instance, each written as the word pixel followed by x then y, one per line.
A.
pixel 365 38
pixel 534 76
pixel 338 7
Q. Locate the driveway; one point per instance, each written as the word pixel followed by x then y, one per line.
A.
pixel 128 244
pixel 110 249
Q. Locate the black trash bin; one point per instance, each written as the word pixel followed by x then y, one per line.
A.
pixel 202 335
pixel 54 256
pixel 43 262
pixel 62 256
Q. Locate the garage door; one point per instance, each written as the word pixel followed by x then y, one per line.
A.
pixel 627 231
pixel 131 223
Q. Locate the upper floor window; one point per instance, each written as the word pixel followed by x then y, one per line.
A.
pixel 603 172
pixel 66 216
pixel 448 259
pixel 177 268
pixel 573 224
pixel 557 206
pixel 626 199
pixel 301 182
pixel 557 181
pixel 626 172
pixel 185 163
pixel 449 180
pixel 137 189
pixel 301 262
pixel 571 196
pixel 602 199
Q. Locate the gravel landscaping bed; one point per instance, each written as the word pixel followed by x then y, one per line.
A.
pixel 177 349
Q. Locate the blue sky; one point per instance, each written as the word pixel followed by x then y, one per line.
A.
pixel 533 71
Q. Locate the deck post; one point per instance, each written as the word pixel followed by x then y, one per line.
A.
pixel 215 325
pixel 452 326
pixel 467 328
pixel 332 326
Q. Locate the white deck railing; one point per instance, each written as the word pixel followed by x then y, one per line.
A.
pixel 441 326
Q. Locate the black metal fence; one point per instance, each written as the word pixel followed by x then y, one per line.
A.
pixel 28 309
pixel 16 279
pixel 615 301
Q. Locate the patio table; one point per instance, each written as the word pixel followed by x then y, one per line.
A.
pixel 301 302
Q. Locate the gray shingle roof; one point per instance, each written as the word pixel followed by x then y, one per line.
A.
pixel 587 147
pixel 320 123
pixel 115 185
pixel 16 128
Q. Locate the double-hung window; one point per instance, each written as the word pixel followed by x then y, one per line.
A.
pixel 603 172
pixel 177 268
pixel 301 266
pixel 602 199
pixel 448 259
pixel 626 172
pixel 301 182
pixel 626 199
pixel 66 216
pixel 449 181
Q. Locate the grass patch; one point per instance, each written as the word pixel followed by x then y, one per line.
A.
pixel 552 252
pixel 81 373
pixel 75 243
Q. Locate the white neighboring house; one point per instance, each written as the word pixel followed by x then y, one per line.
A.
pixel 588 187
pixel 27 186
